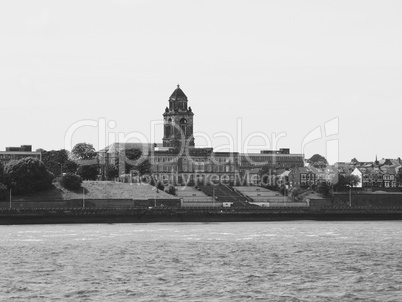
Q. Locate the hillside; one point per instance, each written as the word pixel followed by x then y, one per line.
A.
pixel 97 190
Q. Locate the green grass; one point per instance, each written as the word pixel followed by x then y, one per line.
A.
pixel 97 190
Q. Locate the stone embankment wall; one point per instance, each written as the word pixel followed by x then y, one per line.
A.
pixel 91 203
pixel 368 199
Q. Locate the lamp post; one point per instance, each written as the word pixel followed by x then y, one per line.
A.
pixel 10 198
pixel 350 195
pixel 213 195
pixel 83 197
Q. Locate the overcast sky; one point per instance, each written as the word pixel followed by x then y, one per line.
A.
pixel 283 68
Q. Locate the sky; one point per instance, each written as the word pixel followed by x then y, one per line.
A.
pixel 313 76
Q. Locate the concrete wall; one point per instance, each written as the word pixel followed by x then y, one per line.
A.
pixel 369 199
pixel 92 203
pixel 281 205
pixel 202 204
pixel 317 203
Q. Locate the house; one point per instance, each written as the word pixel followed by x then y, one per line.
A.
pixel 302 177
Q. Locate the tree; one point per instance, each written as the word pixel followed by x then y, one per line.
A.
pixel 294 192
pixel 87 161
pixel 3 191
pixel 70 166
pixel 344 182
pixel 354 161
pixel 160 186
pixel 133 153
pixel 84 151
pixel 1 172
pixel 352 180
pixel 71 181
pixel 318 160
pixel 88 172
pixel 112 172
pixel 55 160
pixel 27 175
pixel 324 189
pixel 129 162
pixel 170 190
pixel 144 167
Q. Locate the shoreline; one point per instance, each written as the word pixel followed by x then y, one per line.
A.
pixel 149 215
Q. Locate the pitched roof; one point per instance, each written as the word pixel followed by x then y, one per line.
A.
pixel 389 170
pixel 303 170
pixel 178 94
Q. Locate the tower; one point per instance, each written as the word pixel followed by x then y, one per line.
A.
pixel 178 121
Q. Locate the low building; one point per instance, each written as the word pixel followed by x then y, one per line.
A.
pixel 17 153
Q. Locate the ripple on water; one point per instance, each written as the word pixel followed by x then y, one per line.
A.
pixel 279 261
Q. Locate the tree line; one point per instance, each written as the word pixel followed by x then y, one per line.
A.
pixel 29 175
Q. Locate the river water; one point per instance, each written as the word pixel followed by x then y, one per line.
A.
pixel 250 261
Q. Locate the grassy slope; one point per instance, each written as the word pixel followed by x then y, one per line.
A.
pixel 98 190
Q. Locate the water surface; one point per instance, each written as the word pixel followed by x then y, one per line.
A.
pixel 250 261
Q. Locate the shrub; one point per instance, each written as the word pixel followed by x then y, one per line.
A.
pixel 71 181
pixel 170 190
pixel 88 172
pixel 160 186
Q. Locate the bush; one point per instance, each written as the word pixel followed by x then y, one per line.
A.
pixel 27 175
pixel 3 192
pixel 71 181
pixel 160 186
pixel 170 190
pixel 324 189
pixel 88 172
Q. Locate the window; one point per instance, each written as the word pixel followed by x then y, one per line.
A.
pixel 183 123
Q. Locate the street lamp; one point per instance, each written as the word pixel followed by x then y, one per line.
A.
pixel 350 195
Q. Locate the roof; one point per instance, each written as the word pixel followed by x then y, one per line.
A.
pixel 389 170
pixel 178 94
pixel 303 170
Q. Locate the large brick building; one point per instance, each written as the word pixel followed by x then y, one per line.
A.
pixel 178 161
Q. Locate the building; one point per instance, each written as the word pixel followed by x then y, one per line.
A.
pixel 302 177
pixel 178 121
pixel 177 160
pixel 17 153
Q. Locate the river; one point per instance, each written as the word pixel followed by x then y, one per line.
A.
pixel 243 261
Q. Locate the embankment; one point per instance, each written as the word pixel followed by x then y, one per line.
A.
pixel 145 215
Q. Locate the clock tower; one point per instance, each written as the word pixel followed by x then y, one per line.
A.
pixel 178 121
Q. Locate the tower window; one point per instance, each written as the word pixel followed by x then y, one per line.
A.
pixel 183 123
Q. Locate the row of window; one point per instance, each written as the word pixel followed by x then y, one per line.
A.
pixel 197 160
pixel 387 184
pixel 271 158
pixel 191 168
pixel 385 177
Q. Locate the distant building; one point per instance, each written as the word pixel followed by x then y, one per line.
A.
pixel 16 153
pixel 178 161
